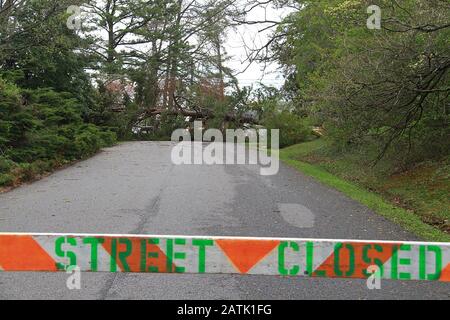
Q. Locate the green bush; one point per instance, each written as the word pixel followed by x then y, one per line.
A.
pixel 42 166
pixel 27 172
pixel 293 129
pixel 6 179
pixel 40 128
pixel 6 165
pixel 108 138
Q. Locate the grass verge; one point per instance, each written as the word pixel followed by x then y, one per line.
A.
pixel 297 157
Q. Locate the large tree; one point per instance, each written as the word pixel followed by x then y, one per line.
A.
pixel 389 87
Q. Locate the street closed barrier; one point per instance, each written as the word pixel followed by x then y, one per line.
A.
pixel 225 255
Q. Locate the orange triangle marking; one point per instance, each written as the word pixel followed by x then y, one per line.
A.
pixel 245 254
pixel 23 253
pixel 445 274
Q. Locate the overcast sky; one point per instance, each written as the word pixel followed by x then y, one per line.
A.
pixel 249 33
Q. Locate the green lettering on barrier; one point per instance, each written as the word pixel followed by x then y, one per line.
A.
pixel 143 264
pixel 337 262
pixel 113 265
pixel 369 261
pixel 423 262
pixel 122 255
pixel 337 269
pixel 153 255
pixel 405 261
pixel 94 242
pixel 281 258
pixel 171 255
pixel 395 262
pixel 310 257
pixel 201 244
pixel 63 254
pixel 281 269
pixel 150 254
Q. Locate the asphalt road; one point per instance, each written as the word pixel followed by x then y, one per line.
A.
pixel 135 188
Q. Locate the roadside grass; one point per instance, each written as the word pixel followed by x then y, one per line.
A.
pixel 416 199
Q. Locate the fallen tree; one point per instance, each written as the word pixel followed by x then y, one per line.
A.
pixel 195 112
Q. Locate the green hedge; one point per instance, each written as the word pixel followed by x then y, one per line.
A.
pixel 41 129
pixel 293 129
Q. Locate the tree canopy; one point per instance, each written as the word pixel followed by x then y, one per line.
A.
pixel 74 75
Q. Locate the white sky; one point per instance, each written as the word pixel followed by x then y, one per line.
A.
pixel 249 33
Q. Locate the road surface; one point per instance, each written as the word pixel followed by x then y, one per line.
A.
pixel 134 188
